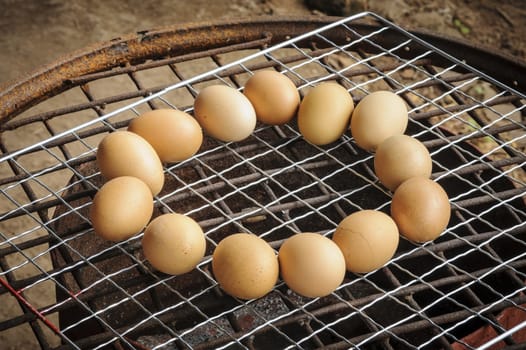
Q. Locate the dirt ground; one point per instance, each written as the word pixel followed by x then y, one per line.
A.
pixel 36 32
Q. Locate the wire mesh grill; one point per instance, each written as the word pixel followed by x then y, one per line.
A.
pixel 69 289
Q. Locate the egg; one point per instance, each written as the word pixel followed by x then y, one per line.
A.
pixel 173 243
pixel 123 153
pixel 225 113
pixel 311 265
pixel 175 135
pixel 324 113
pixel 420 207
pixel 121 208
pixel 400 157
pixel 273 95
pixel 368 239
pixel 376 117
pixel 245 266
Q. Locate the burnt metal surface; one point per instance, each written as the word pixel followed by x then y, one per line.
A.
pixel 436 295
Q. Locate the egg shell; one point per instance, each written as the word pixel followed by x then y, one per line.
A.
pixel 121 208
pixel 368 239
pixel 245 266
pixel 175 135
pixel 173 243
pixel 225 113
pixel 376 117
pixel 273 95
pixel 324 113
pixel 311 265
pixel 123 153
pixel 400 157
pixel 421 209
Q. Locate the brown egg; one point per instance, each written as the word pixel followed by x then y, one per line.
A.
pixel 421 209
pixel 175 135
pixel 324 113
pixel 245 266
pixel 225 113
pixel 123 153
pixel 121 208
pixel 399 158
pixel 273 95
pixel 173 243
pixel 376 117
pixel 311 265
pixel 368 239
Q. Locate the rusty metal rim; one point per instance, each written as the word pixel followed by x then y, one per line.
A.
pixel 18 96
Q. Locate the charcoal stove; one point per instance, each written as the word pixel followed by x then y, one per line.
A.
pixel 462 291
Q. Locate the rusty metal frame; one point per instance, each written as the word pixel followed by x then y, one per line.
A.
pixel 17 96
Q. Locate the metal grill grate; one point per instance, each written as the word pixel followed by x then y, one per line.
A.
pixel 442 294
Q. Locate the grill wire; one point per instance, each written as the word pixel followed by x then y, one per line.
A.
pixel 441 294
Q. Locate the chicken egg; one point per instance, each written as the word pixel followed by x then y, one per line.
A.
pixel 175 135
pixel 245 266
pixel 400 157
pixel 123 153
pixel 421 209
pixel 273 95
pixel 225 113
pixel 368 239
pixel 324 113
pixel 311 265
pixel 173 243
pixel 121 208
pixel 376 117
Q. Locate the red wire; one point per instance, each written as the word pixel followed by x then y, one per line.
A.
pixel 18 295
